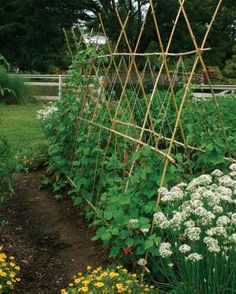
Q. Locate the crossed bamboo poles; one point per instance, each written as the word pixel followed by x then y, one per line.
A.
pixel 198 51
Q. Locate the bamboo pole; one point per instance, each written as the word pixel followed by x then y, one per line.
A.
pixel 181 2
pixel 188 86
pixel 150 54
pixel 128 73
pixel 205 70
pixel 111 130
pixel 154 90
pixel 167 67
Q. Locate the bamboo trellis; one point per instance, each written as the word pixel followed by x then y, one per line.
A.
pixel 121 122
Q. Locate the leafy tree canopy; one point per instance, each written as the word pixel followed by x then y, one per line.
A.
pixel 31 33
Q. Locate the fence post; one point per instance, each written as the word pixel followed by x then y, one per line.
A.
pixel 59 86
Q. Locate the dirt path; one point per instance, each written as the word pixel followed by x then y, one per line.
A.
pixel 50 238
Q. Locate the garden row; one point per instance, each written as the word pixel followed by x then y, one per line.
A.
pixel 188 242
pixel 180 243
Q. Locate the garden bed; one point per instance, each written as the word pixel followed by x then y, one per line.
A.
pixel 50 239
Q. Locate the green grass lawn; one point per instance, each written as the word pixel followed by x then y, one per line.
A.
pixel 18 123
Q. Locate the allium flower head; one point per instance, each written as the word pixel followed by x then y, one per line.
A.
pixel 142 262
pixel 233 167
pixel 194 257
pixel 217 173
pixel 226 181
pixel 193 233
pixel 223 221
pixel 165 250
pixel 184 248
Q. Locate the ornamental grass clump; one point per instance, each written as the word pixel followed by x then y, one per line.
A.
pixel 9 272
pixel 108 281
pixel 198 228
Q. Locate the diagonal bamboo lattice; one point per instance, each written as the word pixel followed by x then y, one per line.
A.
pixel 103 73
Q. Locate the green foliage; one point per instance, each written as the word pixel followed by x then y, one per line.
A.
pixel 119 202
pixel 12 88
pixel 32 43
pixel 33 158
pixel 9 272
pixel 230 67
pixel 20 127
pixel 197 226
pixel 6 187
pixel 4 63
pixel 31 35
pixel 6 181
pixel 111 280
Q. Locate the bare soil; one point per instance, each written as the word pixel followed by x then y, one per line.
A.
pixel 50 239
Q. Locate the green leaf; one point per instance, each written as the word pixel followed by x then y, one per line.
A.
pixel 148 244
pixel 106 236
pixel 129 242
pixel 114 251
pixel 77 201
pixel 108 214
pixel 115 231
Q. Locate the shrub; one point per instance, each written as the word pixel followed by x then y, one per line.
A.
pixel 33 158
pixel 9 272
pixel 230 66
pixel 107 281
pixel 6 187
pixel 14 90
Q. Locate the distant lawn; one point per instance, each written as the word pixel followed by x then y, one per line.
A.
pixel 18 123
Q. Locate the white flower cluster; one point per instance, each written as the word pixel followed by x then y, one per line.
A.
pixel 142 262
pixel 194 257
pixel 133 221
pixel 165 250
pixel 202 214
pixel 45 112
pixel 176 193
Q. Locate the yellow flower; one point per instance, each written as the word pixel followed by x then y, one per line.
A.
pixel 84 289
pixel 89 267
pixel 113 275
pixel 9 283
pixel 12 264
pixel 63 291
pixel 120 288
pixel 2 256
pixel 104 274
pixel 85 282
pixel 99 284
pixel 3 274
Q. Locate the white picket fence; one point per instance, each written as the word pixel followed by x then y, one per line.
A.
pixel 56 83
pixel 204 91
pixel 44 81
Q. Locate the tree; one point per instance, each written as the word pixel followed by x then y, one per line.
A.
pixel 221 39
pixel 31 34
